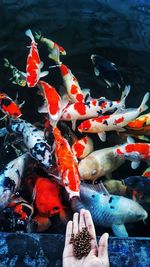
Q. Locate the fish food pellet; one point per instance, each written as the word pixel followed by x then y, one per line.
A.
pixel 81 243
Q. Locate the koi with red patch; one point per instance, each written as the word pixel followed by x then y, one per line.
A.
pixel 34 64
pixel 134 152
pixel 71 84
pixel 54 49
pixel 113 122
pixel 83 147
pixel 146 173
pixel 66 164
pixel 47 198
pixel 141 123
pixel 92 108
pixel 9 107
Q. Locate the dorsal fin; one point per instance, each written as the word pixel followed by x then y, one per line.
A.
pixel 98 187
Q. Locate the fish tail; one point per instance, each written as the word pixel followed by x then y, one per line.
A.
pixel 30 35
pixel 143 105
pixel 125 94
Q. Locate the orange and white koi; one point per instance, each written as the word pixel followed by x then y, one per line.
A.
pixel 53 102
pixel 34 64
pixel 146 173
pixel 54 49
pixel 134 152
pixel 113 122
pixel 83 147
pixel 9 107
pixel 93 108
pixel 71 84
pixel 140 123
pixel 66 164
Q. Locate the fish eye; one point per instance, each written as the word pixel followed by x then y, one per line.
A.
pixel 55 208
pixel 94 172
pixel 93 196
pixel 85 129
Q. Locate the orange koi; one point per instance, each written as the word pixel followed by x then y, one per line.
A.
pixel 140 123
pixel 66 164
pixel 47 198
pixel 9 107
pixel 34 63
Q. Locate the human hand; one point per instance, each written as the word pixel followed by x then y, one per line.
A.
pixel 98 255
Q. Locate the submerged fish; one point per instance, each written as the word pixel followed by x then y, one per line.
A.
pixel 47 198
pixel 107 71
pixel 34 139
pixel 140 184
pixel 66 164
pixel 114 122
pixel 10 179
pixel 109 210
pixel 93 108
pixel 9 107
pixel 54 49
pixel 34 63
pixel 135 152
pixel 115 187
pixel 99 163
pixel 18 77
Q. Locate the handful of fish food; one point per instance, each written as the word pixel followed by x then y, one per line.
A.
pixel 63 148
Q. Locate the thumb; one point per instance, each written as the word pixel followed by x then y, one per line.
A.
pixel 103 248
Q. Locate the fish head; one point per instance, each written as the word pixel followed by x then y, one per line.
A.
pixel 84 126
pixel 135 212
pixel 130 181
pixel 88 168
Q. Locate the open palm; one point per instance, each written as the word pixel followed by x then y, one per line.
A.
pixel 98 255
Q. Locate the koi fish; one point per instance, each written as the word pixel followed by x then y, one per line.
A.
pixel 71 84
pixel 114 122
pixel 53 104
pixel 9 107
pixel 140 123
pixel 47 198
pixel 34 64
pixel 93 108
pixel 54 49
pixel 108 210
pixel 66 164
pixel 99 163
pixel 135 152
pixel 107 71
pixel 34 140
pixel 83 147
pixel 18 77
pixel 10 179
pixel 140 184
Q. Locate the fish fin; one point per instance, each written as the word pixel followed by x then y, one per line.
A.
pixel 44 73
pixel 108 83
pixel 41 64
pixel 103 188
pixel 73 125
pixel 96 71
pixel 97 187
pixel 43 108
pixel 24 74
pixel 120 129
pixel 29 34
pixel 130 140
pixel 102 136
pixel 87 95
pixel 143 105
pixel 119 230
pixel 124 96
pixel 135 164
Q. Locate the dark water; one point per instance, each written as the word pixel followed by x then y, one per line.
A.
pixel 117 30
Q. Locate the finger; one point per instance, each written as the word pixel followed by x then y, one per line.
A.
pixel 103 247
pixel 75 223
pixel 89 224
pixel 81 220
pixel 68 233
